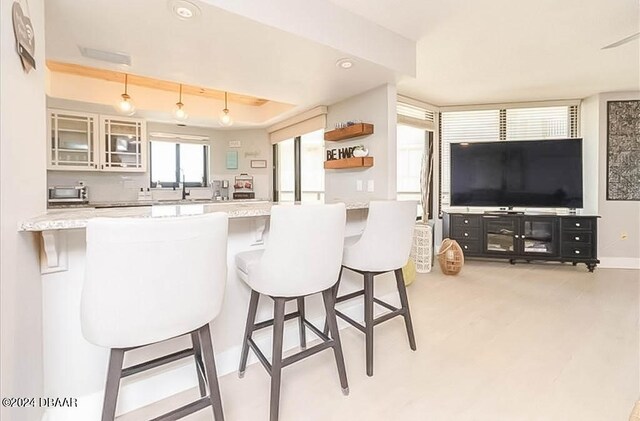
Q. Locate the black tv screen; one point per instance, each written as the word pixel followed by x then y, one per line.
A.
pixel 539 173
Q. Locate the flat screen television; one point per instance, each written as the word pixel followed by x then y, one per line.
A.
pixel 537 173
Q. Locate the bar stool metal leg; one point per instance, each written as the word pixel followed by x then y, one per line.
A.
pixel 204 334
pixel 114 372
pixel 402 291
pixel 276 359
pixel 334 290
pixel 332 322
pixel 368 320
pixel 301 327
pixel 251 319
pixel 197 355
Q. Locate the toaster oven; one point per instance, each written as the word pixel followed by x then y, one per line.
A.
pixel 68 194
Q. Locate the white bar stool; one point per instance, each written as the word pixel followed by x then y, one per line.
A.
pixel 384 246
pixel 302 257
pixel 149 280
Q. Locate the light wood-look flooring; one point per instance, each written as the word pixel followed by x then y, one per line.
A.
pixel 497 342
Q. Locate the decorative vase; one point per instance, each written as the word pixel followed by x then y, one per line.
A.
pixel 359 153
pixel 422 250
pixel 409 272
pixel 450 257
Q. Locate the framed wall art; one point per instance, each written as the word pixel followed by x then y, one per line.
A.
pixel 623 150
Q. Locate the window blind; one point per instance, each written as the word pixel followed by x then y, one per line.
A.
pixel 463 126
pixel 307 122
pixel 416 116
pixel 510 124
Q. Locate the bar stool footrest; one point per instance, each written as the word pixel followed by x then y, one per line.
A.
pixel 185 410
pixel 157 362
pixel 307 352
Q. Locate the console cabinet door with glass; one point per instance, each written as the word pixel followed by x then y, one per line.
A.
pixel 501 235
pixel 123 144
pixel 72 141
pixel 539 236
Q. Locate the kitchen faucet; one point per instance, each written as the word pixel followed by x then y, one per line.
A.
pixel 185 193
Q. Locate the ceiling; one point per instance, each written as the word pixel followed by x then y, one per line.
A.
pixel 467 52
pixel 486 51
pixel 219 49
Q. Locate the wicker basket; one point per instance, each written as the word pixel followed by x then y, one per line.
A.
pixel 422 249
pixel 450 257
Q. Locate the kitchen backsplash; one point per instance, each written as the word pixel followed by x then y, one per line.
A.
pixel 114 187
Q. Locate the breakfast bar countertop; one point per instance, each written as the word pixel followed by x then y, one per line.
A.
pixel 74 218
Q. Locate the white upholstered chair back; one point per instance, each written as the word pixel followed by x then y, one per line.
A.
pixel 386 241
pixel 148 280
pixel 304 250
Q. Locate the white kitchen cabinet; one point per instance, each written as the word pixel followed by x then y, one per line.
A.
pixel 73 141
pixel 123 144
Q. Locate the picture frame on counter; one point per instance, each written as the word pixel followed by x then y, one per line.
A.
pixel 258 163
pixel 232 160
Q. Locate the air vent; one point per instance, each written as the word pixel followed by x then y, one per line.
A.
pixel 108 56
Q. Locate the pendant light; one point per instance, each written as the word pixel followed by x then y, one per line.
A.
pixel 178 112
pixel 125 105
pixel 225 118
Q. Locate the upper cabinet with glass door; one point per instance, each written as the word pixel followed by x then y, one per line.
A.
pixel 123 144
pixel 72 141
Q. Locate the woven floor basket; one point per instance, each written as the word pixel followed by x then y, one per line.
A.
pixel 450 257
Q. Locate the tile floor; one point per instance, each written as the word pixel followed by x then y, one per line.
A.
pixel 497 342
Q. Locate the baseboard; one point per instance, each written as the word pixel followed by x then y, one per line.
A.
pixel 619 262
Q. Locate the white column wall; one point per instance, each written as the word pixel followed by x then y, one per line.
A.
pixel 22 195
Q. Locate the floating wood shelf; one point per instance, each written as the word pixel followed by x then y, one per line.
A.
pixel 357 130
pixel 336 164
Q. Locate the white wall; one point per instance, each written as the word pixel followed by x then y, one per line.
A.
pixel 22 195
pixel 589 123
pixel 618 217
pixel 108 186
pixel 376 106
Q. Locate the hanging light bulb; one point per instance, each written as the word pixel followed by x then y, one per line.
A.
pixel 178 112
pixel 125 105
pixel 224 117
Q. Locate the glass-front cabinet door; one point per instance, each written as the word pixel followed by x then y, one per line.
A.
pixel 539 236
pixel 123 144
pixel 72 140
pixel 500 235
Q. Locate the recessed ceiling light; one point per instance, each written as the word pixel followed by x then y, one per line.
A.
pixel 344 63
pixel 184 9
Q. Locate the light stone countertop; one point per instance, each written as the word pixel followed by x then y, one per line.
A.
pixel 74 218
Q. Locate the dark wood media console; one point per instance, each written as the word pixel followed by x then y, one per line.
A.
pixel 549 237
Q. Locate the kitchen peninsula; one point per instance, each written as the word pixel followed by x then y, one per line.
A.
pixel 74 367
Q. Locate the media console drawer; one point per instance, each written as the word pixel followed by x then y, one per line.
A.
pixel 576 251
pixel 576 223
pixel 576 237
pixel 469 246
pixel 465 220
pixel 466 233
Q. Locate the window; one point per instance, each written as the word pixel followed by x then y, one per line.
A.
pixel 411 147
pixel 508 124
pixel 173 162
pixel 299 169
pixel 416 124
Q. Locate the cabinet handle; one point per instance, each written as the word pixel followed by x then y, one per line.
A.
pixel 517 236
pixel 466 221
pixel 577 224
pixel 466 234
pixel 466 247
pixel 576 251
pixel 522 237
pixel 577 238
